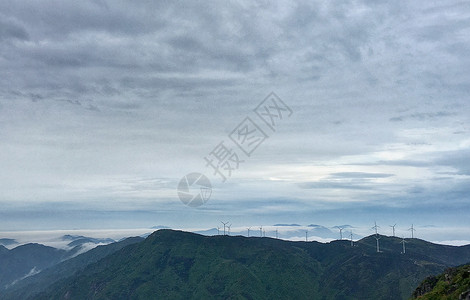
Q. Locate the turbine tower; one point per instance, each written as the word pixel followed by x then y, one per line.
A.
pixel 277 236
pixel 261 231
pixel 229 228
pixel 306 235
pixel 403 242
pixel 377 238
pixel 224 225
pixel 351 236
pixel 393 229
pixel 412 231
pixel 248 231
pixel 218 230
pixel 375 227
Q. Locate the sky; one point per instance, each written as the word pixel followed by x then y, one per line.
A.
pixel 105 106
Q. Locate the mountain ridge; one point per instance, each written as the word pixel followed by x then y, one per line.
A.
pixel 181 265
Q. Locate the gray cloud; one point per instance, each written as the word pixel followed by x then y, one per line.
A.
pixel 423 116
pixel 459 160
pixel 334 185
pixel 10 29
pixel 101 100
pixel 360 175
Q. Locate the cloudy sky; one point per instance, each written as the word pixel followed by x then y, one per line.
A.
pixel 105 106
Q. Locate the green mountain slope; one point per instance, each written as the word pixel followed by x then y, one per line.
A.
pixel 454 283
pixel 179 265
pixel 31 286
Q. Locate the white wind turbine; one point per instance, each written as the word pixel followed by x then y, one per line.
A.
pixel 224 225
pixel 377 238
pixel 393 229
pixel 403 242
pixel 412 231
pixel 376 227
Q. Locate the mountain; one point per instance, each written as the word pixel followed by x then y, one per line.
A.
pixel 79 244
pixel 79 240
pixel 7 242
pixel 286 231
pixel 160 227
pixel 180 265
pixel 366 274
pixel 26 260
pixel 31 286
pixel 211 231
pixel 320 231
pixel 454 283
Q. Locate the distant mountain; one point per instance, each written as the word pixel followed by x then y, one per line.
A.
pixel 320 231
pixel 343 226
pixel 31 286
pixel 454 283
pixel 160 227
pixel 286 231
pixel 179 265
pixel 7 242
pixel 26 260
pixel 212 231
pixel 84 240
pixel 77 240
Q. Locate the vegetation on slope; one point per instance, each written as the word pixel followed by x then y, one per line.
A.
pixel 453 284
pixel 179 265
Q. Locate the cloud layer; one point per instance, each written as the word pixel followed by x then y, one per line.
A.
pixel 104 106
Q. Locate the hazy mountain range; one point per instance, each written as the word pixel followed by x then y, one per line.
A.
pixel 49 265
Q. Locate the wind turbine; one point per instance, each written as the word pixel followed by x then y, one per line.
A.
pixel 351 236
pixel 306 235
pixel 403 242
pixel 277 236
pixel 377 238
pixel 224 225
pixel 229 228
pixel 218 230
pixel 261 231
pixel 375 227
pixel 412 231
pixel 248 231
pixel 340 232
pixel 393 228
